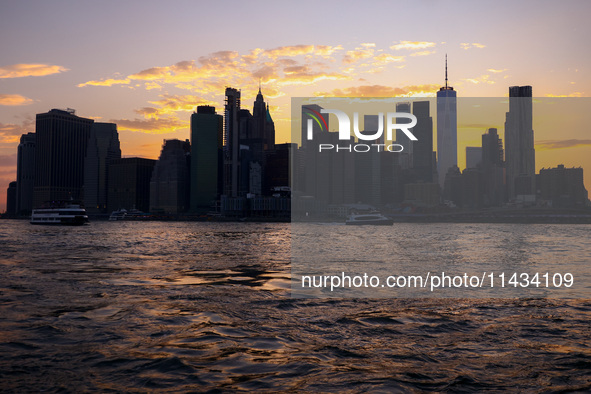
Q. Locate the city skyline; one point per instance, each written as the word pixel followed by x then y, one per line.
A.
pixel 151 91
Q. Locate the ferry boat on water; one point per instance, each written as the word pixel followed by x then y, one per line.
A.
pixel 132 214
pixel 64 213
pixel 375 219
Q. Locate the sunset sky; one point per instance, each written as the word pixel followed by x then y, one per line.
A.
pixel 146 65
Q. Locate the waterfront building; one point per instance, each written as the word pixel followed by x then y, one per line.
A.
pixel 103 147
pixel 25 173
pixel 206 158
pixel 60 149
pixel 129 184
pixel 169 186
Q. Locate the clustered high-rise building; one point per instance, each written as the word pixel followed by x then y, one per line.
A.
pixel 231 164
pixel 330 181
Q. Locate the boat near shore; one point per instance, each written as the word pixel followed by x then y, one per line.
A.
pixel 370 219
pixel 60 213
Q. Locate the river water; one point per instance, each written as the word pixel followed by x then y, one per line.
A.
pixel 140 306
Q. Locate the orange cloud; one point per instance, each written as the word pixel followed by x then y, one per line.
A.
pixel 493 70
pixel 574 94
pixel 106 82
pixel 10 133
pixel 467 45
pixel 29 70
pixel 357 54
pixel 412 45
pixel 480 79
pixel 382 91
pixel 561 144
pixel 422 53
pixel 152 126
pixel 14 99
pixel 386 58
pixel 287 51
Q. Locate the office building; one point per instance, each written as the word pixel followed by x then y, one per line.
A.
pixel 60 150
pixel 231 149
pixel 129 183
pixel 422 155
pixel 447 129
pixel 473 156
pixel 11 199
pixel 25 173
pixel 103 147
pixel 169 186
pixel 519 144
pixel 206 158
pixel 562 186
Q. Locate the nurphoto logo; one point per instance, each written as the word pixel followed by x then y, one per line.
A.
pixel 345 130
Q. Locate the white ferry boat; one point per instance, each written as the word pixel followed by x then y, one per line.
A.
pixel 118 215
pixel 60 213
pixel 375 219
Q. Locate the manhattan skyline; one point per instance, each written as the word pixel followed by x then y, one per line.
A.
pixel 146 66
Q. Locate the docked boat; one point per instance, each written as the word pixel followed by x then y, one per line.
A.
pixel 375 219
pixel 118 215
pixel 132 214
pixel 60 213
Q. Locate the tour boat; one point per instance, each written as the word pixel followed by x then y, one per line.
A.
pixel 375 219
pixel 60 213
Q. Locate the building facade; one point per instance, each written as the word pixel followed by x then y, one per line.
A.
pixel 60 150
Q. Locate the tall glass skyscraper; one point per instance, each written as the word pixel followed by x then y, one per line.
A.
pixel 520 155
pixel 60 149
pixel 447 129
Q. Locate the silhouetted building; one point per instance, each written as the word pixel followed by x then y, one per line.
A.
pixel 25 173
pixel 473 156
pixel 453 186
pixel 103 147
pixel 422 155
pixel 472 189
pixel 60 149
pixel 564 187
pixel 519 143
pixel 493 168
pixel 231 171
pixel 278 165
pixel 422 194
pixel 368 177
pixel 447 129
pixel 129 183
pixel 206 158
pixel 405 156
pixel 11 199
pixel 169 187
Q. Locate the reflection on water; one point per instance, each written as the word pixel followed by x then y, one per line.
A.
pixel 126 306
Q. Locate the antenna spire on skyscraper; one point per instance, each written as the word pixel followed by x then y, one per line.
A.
pixel 446 70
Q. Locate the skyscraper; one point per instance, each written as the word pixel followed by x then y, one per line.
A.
pixel 25 173
pixel 231 143
pixel 422 155
pixel 169 186
pixel 447 129
pixel 129 183
pixel 206 157
pixel 60 149
pixel 519 143
pixel 103 147
pixel 493 168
